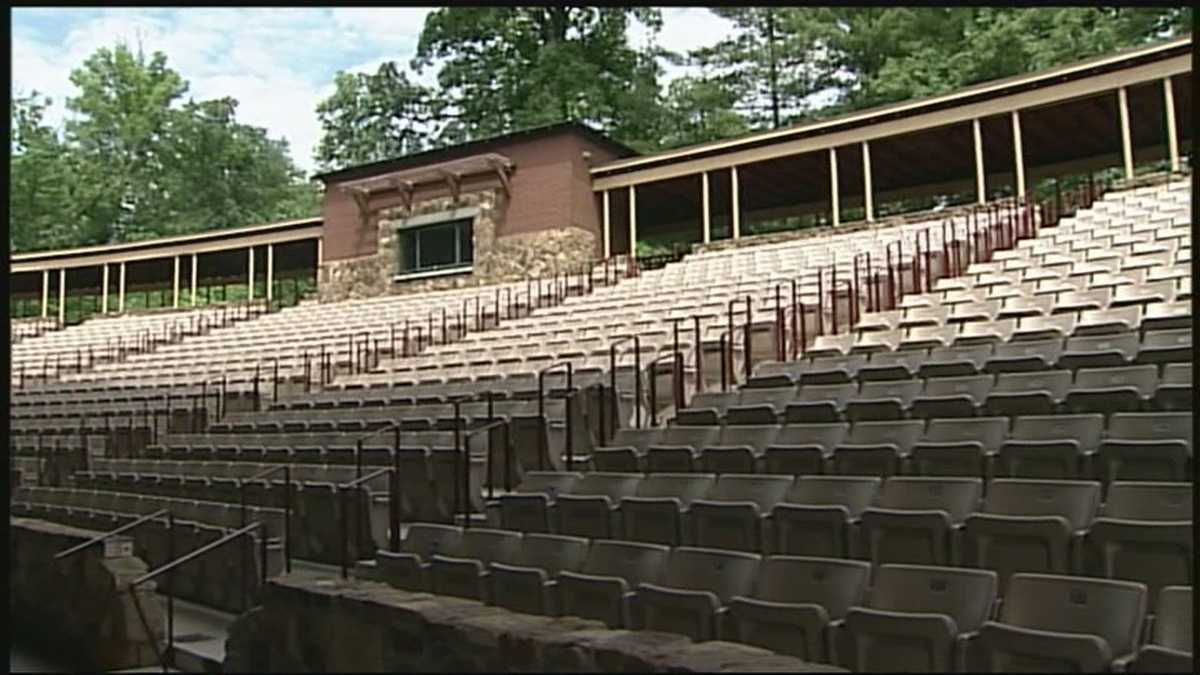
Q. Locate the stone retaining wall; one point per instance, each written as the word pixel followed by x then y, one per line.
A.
pixel 315 625
pixel 82 602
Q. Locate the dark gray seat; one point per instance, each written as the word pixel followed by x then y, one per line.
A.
pixel 799 449
pixel 955 361
pixel 1028 393
pixel 952 396
pixel 590 509
pixel 730 515
pixel 1147 446
pixel 876 448
pixel 817 514
pixel 1051 446
pixel 882 400
pixel 1099 351
pixel 819 403
pixel 738 448
pixel 529 584
pixel 1112 390
pixel 655 513
pixel 603 590
pixel 918 519
pixel 1024 356
pixel 698 582
pixel 1172 642
pixel 959 446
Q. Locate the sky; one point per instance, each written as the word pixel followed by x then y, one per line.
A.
pixel 277 62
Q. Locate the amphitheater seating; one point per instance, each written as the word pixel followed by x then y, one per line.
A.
pixel 1171 644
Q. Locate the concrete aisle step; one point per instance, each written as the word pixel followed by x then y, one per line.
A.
pixel 200 634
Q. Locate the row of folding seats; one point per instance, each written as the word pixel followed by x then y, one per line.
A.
pixel 912 617
pixel 1142 532
pixel 1133 446
pixel 337 474
pixel 939 359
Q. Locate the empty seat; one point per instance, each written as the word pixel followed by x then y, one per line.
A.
pixel 697 583
pixel 1051 623
pixel 1166 346
pixel 654 514
pixel 529 585
pixel 737 449
pixel 819 403
pixel 1100 351
pixel 816 515
pixel 952 396
pixel 1051 446
pixel 916 519
pixel 465 575
pixel 604 589
pixel 1147 446
pixel 760 406
pixel 590 510
pixel 408 568
pixel 1175 389
pixel 1030 526
pixel 528 508
pixel 1025 356
pixel 794 602
pixel 959 447
pixel 678 448
pixel 917 619
pixel 803 448
pixel 1034 393
pixel 729 516
pixel 882 400
pixel 1111 390
pixel 1145 534
pixel 901 365
pixel 1172 642
pixel 955 361
pixel 832 369
pixel 624 451
pixel 876 448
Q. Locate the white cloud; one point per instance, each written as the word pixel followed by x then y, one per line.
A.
pixel 277 62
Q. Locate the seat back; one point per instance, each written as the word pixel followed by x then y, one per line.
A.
pixel 989 432
pixel 726 574
pixel 833 584
pixel 904 434
pixel 957 497
pixel 682 486
pixel 826 436
pixel 1173 620
pixel 764 491
pixel 1075 500
pixel 1149 501
pixel 553 553
pixel 855 493
pixel 965 595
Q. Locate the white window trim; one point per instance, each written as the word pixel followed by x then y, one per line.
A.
pixel 426 274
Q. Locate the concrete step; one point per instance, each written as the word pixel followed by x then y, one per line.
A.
pixel 200 634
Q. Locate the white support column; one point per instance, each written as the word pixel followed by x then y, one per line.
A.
pixel 633 221
pixel 175 294
pixel 195 277
pixel 834 202
pixel 980 186
pixel 868 191
pixel 250 274
pixel 706 215
pixel 62 295
pixel 1172 132
pixel 270 271
pixel 1126 142
pixel 104 291
pixel 320 251
pixel 45 293
pixel 1018 153
pixel 607 224
pixel 736 200
pixel 121 290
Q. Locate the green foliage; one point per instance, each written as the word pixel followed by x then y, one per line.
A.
pixel 137 162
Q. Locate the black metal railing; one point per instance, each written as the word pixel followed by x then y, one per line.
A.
pixel 568 396
pixel 342 490
pixel 287 505
pixel 637 385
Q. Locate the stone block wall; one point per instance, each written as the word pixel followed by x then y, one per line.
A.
pixel 497 258
pixel 315 625
pixel 83 603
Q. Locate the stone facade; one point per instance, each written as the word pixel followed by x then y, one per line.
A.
pixel 83 601
pixel 497 258
pixel 315 625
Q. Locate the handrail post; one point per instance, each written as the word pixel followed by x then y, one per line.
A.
pixel 748 357
pixel 699 346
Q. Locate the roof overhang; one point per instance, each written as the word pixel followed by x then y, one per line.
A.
pixel 204 242
pixel 1041 88
pixel 406 182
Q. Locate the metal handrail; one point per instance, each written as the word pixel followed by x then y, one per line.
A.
pixel 274 360
pixel 493 423
pixel 677 356
pixel 637 381
pixel 66 553
pixel 569 397
pixel 393 426
pixel 287 506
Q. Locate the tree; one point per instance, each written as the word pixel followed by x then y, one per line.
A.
pixel 371 117
pixel 40 209
pixel 701 108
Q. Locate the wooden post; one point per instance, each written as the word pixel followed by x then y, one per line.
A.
pixel 250 273
pixel 1126 141
pixel 980 186
pixel 868 191
pixel 175 293
pixel 104 290
pixel 706 215
pixel 632 222
pixel 735 200
pixel 607 225
pixel 1018 153
pixel 195 277
pixel 121 290
pixel 1172 132
pixel 834 206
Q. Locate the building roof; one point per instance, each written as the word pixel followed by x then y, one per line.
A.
pixel 982 91
pixel 472 148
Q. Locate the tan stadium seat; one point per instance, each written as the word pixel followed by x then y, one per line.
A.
pixel 604 589
pixel 655 513
pixel 730 515
pixel 529 584
pixel 917 519
pixel 816 516
pixel 465 574
pixel 695 586
pixel 527 509
pixel 803 448
pixel 590 510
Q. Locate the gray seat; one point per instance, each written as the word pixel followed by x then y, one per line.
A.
pixel 528 508
pixel 760 406
pixel 1174 391
pixel 590 509
pixel 738 449
pixel 876 448
pixel 655 513
pixel 1032 393
pixel 1166 346
pixel 1112 390
pixel 1144 534
pixel 623 453
pixel 1147 446
pixel 1051 623
pixel 795 602
pixel 952 396
pixel 917 619
pixel 832 369
pixel 730 515
pixel 1030 526
pixel 697 583
pixel 1024 356
pixel 1051 446
pixel 417 498
pixel 1099 351
pixel 1172 642
pixel 706 408
pixel 816 515
pixel 408 568
pixel 819 403
pixel 955 361
pixel 529 585
pixel 902 365
pixel 803 448
pixel 917 519
pixel 677 449
pixel 882 400
pixel 604 589
pixel 959 446
pixel 466 575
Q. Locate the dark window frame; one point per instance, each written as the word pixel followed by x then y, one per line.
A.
pixel 409 258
